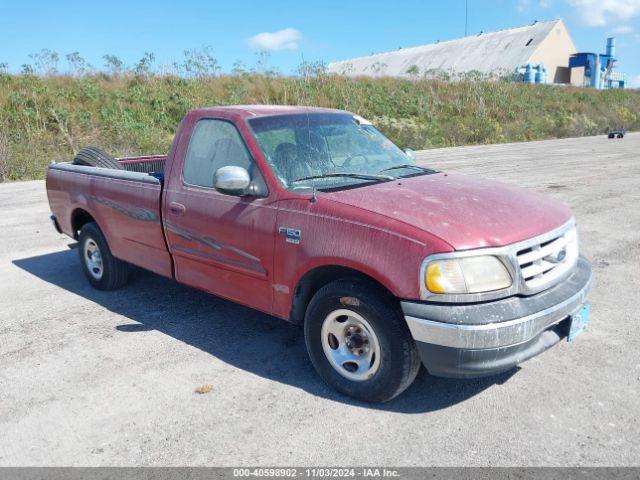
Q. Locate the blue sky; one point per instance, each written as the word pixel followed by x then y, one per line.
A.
pixel 292 30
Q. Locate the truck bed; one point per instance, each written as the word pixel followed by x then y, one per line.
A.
pixel 129 200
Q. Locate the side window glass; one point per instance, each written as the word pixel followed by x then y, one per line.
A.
pixel 214 144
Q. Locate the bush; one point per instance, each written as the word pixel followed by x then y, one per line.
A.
pixel 49 118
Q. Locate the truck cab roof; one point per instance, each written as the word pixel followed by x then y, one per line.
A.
pixel 264 110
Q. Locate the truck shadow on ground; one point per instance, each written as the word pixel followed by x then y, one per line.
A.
pixel 242 337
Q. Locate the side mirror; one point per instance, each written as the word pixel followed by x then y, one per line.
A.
pixel 232 179
pixel 410 154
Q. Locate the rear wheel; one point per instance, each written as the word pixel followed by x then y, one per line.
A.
pixel 359 342
pixel 102 269
pixel 94 157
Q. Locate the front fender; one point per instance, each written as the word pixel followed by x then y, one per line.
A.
pixel 386 250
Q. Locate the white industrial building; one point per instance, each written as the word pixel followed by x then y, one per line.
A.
pixel 543 45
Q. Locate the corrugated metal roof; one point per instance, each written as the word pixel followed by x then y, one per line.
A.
pixel 491 52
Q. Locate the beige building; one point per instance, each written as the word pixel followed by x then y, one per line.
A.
pixel 493 53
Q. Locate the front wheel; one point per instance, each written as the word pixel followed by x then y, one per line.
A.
pixel 358 341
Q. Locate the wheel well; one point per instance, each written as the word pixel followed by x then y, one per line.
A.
pixel 79 218
pixel 317 278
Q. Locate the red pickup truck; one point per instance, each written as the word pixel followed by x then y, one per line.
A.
pixel 313 216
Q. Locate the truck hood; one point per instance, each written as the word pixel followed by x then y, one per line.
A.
pixel 466 212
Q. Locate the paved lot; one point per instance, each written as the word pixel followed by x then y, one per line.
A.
pixel 95 378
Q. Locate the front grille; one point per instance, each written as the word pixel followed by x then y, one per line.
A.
pixel 543 262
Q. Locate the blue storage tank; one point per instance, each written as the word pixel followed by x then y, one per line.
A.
pixel 529 74
pixel 533 73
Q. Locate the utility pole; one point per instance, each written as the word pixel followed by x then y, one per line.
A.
pixel 466 16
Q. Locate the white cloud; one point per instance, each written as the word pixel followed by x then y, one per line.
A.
pixel 599 13
pixel 286 39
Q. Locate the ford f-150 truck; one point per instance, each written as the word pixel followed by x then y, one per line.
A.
pixel 313 216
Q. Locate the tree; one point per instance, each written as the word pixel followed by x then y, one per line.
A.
pixel 262 64
pixel 239 68
pixel 413 71
pixel 200 63
pixel 77 64
pixel 45 61
pixel 312 69
pixel 27 69
pixel 144 65
pixel 113 64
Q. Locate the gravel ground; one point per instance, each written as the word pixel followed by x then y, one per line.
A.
pixel 109 378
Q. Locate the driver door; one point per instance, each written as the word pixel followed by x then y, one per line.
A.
pixel 220 243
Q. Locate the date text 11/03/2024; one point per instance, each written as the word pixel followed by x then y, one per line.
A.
pixel 365 472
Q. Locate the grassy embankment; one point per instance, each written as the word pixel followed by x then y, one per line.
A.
pixel 45 118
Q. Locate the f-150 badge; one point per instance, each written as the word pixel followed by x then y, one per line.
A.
pixel 292 235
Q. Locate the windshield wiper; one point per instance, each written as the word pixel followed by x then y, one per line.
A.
pixel 366 176
pixel 408 165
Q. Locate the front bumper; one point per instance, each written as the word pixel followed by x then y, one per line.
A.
pixel 479 339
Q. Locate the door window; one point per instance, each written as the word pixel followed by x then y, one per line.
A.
pixel 214 144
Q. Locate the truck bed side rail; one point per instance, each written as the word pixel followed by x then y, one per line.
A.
pixel 133 176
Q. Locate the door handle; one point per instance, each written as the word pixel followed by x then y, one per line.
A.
pixel 177 208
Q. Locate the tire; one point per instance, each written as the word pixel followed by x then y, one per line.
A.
pixel 104 272
pixel 94 157
pixel 384 333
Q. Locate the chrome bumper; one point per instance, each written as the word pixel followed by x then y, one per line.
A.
pixel 500 323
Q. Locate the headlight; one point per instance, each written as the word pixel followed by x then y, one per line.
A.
pixel 467 275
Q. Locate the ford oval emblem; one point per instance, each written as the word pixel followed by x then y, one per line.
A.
pixel 558 257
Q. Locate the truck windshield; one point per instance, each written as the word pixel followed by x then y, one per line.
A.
pixel 329 151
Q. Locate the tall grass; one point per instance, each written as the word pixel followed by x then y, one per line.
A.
pixel 46 118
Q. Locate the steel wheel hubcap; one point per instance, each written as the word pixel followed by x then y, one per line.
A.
pixel 350 344
pixel 93 259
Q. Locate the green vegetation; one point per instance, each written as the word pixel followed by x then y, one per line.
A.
pixel 44 118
